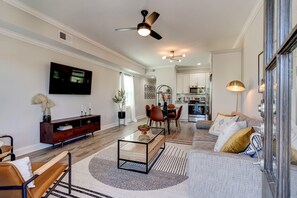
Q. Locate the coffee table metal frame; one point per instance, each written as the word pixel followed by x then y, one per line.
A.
pixel 148 165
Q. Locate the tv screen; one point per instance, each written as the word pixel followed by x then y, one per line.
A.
pixel 69 80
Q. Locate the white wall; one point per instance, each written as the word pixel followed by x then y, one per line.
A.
pixel 28 45
pixel 167 76
pixel 252 46
pixel 226 66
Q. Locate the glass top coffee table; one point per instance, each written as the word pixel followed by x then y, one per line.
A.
pixel 138 152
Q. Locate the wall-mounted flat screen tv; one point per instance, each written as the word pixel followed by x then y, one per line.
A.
pixel 69 80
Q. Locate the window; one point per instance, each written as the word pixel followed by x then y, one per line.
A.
pixel 128 86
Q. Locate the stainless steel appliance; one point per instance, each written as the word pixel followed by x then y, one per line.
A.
pixel 197 110
pixel 194 90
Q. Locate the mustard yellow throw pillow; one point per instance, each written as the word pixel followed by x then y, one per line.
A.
pixel 239 141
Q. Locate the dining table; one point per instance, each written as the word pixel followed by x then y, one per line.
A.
pixel 166 114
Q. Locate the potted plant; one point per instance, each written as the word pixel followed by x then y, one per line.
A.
pixel 120 99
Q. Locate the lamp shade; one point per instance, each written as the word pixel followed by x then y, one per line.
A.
pixel 235 85
pixel 143 29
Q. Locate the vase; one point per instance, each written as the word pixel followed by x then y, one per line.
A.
pixel 47 115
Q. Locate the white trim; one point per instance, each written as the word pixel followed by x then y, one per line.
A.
pixel 161 67
pixel 28 149
pixel 226 51
pixel 141 117
pixel 248 22
pixel 21 6
pixel 38 43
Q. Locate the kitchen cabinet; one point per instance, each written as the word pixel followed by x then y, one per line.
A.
pixel 182 83
pixel 201 77
pixel 194 80
pixel 186 83
pixel 179 83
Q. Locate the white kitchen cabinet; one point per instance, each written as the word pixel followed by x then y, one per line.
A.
pixel 179 83
pixel 194 80
pixel 184 114
pixel 186 85
pixel 201 79
pixel 182 83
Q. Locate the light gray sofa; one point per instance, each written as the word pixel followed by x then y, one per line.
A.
pixel 216 174
pixel 225 175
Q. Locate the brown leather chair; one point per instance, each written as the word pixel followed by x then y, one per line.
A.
pixel 157 116
pixel 7 150
pixel 176 118
pixel 45 175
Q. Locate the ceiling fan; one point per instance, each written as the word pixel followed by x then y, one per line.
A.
pixel 144 28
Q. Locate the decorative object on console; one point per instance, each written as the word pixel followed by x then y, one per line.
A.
pixel 236 86
pixel 173 57
pixel 46 104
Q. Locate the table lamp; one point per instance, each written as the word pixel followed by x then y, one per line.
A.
pixel 236 86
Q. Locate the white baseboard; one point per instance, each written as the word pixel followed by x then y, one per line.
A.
pixel 28 149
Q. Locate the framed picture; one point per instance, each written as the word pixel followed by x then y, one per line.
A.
pixel 261 72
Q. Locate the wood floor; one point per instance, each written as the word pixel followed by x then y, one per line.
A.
pixel 86 146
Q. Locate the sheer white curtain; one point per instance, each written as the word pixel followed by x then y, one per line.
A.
pixel 130 98
pixel 122 86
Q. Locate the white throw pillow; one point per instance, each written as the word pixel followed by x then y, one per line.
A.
pixel 1 143
pixel 220 123
pixel 24 167
pixel 294 139
pixel 228 131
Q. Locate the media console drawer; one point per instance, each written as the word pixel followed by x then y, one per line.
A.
pixel 53 132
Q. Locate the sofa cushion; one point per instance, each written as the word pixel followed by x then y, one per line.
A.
pixel 228 131
pixel 203 124
pixel 250 121
pixel 201 145
pixel 24 167
pixel 239 141
pixel 220 123
pixel 203 135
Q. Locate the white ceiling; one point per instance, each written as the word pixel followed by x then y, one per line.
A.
pixel 194 27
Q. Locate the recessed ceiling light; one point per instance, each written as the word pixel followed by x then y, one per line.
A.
pixel 198 63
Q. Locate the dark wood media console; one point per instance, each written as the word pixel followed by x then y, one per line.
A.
pixel 58 131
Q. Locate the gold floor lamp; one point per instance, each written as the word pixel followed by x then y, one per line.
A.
pixel 236 86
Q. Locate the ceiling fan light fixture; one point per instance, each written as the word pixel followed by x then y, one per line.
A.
pixel 143 29
pixel 184 55
pixel 179 60
pixel 163 57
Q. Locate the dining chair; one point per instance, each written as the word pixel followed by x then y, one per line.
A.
pixel 157 116
pixel 171 111
pixel 148 113
pixel 177 118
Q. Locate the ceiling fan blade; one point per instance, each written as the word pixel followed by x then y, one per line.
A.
pixel 126 29
pixel 155 35
pixel 152 18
